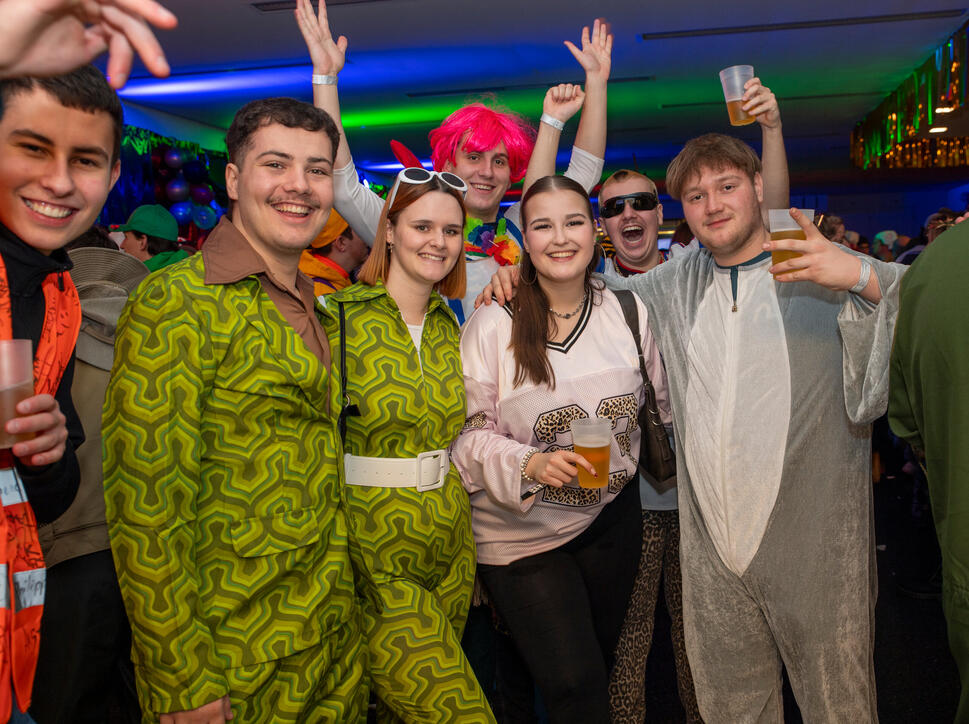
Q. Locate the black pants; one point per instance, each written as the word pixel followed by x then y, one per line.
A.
pixel 565 609
pixel 84 671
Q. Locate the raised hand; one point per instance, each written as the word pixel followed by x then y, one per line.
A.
pixel 328 56
pixel 50 37
pixel 563 101
pixel 596 54
pixel 759 101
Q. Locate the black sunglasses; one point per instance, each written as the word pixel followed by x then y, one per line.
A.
pixel 641 201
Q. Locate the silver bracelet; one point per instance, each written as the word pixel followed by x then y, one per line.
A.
pixel 553 122
pixel 524 464
pixel 862 278
pixel 324 79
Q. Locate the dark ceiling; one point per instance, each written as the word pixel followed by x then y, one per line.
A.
pixel 413 61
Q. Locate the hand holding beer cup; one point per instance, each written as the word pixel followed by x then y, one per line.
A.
pixel 819 260
pixel 40 418
pixel 759 102
pixel 558 468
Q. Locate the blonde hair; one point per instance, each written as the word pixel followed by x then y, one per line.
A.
pixel 625 174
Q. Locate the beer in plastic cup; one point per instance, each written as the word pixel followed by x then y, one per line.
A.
pixel 16 384
pixel 732 79
pixel 591 438
pixel 782 226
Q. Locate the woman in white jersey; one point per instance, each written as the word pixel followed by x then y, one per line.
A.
pixel 558 564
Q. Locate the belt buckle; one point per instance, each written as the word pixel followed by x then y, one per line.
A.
pixel 443 463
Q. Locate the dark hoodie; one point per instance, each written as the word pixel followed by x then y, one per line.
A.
pixel 52 488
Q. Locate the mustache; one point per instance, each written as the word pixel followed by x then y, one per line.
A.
pixel 304 200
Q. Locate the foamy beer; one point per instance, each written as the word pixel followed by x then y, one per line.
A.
pixel 782 226
pixel 16 384
pixel 591 438
pixel 732 79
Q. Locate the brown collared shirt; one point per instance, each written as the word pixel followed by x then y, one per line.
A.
pixel 229 257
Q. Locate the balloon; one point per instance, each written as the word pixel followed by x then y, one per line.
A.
pixel 202 195
pixel 182 212
pixel 195 172
pixel 164 173
pixel 174 158
pixel 158 156
pixel 177 190
pixel 204 217
pixel 160 191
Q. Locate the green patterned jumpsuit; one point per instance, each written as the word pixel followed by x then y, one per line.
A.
pixel 223 501
pixel 417 547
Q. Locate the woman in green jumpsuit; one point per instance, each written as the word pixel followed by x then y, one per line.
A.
pixel 409 513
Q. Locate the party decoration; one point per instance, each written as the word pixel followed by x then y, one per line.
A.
pixel 182 212
pixel 177 190
pixel 202 195
pixel 204 217
pixel 174 158
pixel 195 172
pixel 892 135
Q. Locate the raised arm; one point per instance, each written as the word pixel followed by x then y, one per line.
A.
pixel 760 102
pixel 595 57
pixel 328 59
pixel 561 103
pixel 585 165
pixel 355 202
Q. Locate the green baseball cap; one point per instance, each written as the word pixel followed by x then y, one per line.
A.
pixel 153 220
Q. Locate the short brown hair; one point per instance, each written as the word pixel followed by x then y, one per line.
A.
pixel 287 112
pixel 624 174
pixel 84 89
pixel 714 151
pixel 377 265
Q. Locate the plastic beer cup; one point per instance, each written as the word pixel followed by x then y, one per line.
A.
pixel 16 384
pixel 732 79
pixel 591 438
pixel 782 226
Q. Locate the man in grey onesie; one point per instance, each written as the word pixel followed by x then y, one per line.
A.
pixel 775 374
pixel 774 379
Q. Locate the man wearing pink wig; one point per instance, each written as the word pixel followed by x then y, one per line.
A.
pixel 488 148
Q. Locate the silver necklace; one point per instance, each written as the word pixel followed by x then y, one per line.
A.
pixel 573 312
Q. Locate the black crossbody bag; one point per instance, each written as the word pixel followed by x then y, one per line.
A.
pixel 657 463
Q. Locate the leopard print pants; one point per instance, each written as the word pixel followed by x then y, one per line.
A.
pixel 661 555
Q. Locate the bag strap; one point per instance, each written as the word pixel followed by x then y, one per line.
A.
pixel 630 311
pixel 346 409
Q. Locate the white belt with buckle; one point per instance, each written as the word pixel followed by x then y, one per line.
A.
pixel 425 472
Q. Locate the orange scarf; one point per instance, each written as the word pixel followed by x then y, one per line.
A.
pixel 23 578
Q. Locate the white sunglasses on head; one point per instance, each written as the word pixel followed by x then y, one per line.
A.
pixel 416 175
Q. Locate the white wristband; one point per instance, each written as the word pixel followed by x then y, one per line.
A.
pixel 324 79
pixel 553 122
pixel 862 278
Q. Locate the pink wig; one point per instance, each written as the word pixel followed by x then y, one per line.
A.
pixel 485 128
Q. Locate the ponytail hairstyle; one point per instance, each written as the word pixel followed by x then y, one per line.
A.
pixel 532 325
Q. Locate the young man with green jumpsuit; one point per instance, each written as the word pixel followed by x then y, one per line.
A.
pixel 221 452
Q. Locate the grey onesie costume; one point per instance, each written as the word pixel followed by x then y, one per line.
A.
pixel 773 388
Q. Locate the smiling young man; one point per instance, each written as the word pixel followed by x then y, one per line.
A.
pixel 782 374
pixel 59 144
pixel 221 477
